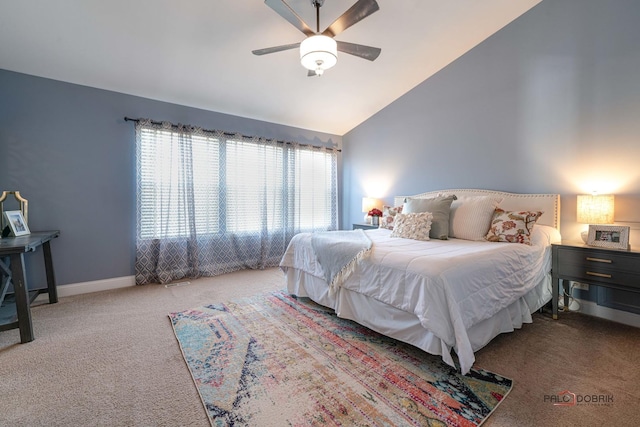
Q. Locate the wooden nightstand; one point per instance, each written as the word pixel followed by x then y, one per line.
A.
pixel 611 268
pixel 364 226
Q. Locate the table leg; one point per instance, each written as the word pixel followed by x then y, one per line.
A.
pixel 554 297
pixel 18 277
pixel 51 278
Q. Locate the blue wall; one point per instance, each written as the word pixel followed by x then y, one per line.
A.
pixel 551 103
pixel 68 150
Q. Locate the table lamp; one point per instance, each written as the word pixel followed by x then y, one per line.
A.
pixel 595 209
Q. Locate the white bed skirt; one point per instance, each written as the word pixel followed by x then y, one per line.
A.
pixel 405 326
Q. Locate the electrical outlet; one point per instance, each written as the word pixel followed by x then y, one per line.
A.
pixel 581 286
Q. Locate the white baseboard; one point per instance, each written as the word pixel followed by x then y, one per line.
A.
pixel 93 286
pixel 593 309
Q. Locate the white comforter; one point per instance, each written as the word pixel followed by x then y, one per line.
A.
pixel 449 285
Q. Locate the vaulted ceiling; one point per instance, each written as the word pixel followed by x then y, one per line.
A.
pixel 198 52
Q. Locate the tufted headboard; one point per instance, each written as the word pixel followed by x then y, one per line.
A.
pixel 548 203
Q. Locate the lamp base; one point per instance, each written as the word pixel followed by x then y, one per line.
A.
pixel 585 236
pixel 367 219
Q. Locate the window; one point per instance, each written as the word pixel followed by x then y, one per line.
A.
pixel 162 175
pixel 254 183
pixel 211 187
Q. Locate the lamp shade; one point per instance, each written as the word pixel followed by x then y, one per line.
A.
pixel 595 209
pixel 368 203
pixel 318 53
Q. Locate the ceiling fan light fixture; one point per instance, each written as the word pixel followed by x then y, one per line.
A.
pixel 318 53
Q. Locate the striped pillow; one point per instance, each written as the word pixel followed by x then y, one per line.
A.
pixel 471 217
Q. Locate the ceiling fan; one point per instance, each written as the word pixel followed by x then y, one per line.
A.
pixel 318 52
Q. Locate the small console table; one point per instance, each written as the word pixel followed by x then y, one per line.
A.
pixel 610 268
pixel 364 226
pixel 13 250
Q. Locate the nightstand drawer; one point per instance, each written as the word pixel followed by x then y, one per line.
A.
pixel 599 273
pixel 598 260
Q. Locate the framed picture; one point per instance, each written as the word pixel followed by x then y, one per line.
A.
pixel 608 236
pixel 16 223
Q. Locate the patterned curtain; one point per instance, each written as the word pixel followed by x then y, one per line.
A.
pixel 210 202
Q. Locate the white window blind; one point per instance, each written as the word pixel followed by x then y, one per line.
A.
pixel 254 187
pixel 171 166
pixel 210 184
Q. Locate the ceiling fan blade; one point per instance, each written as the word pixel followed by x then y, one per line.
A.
pixel 356 13
pixel 284 10
pixel 275 49
pixel 311 73
pixel 359 50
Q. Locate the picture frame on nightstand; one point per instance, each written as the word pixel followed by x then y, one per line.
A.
pixel 609 236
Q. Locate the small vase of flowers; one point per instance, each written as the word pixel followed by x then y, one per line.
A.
pixel 375 215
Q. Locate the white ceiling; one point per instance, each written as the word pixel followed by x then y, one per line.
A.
pixel 198 52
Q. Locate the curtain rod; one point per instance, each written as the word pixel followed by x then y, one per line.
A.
pixel 129 119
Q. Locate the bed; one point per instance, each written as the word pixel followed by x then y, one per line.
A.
pixel 440 295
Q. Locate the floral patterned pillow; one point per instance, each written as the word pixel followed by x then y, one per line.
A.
pixel 388 215
pixel 414 226
pixel 512 226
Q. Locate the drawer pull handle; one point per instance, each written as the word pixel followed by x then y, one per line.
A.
pixel 591 273
pixel 608 261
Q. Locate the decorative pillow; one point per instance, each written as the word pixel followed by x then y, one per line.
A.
pixel 439 207
pixel 414 226
pixel 388 215
pixel 512 226
pixel 471 216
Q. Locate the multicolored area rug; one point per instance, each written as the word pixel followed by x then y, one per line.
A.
pixel 274 360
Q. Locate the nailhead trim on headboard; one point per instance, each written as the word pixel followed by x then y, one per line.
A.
pixel 549 203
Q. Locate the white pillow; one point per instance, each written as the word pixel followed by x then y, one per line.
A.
pixel 414 226
pixel 544 235
pixel 471 216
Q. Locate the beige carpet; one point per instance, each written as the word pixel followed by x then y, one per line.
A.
pixel 111 359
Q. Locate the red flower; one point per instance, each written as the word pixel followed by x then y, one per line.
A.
pixel 375 212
